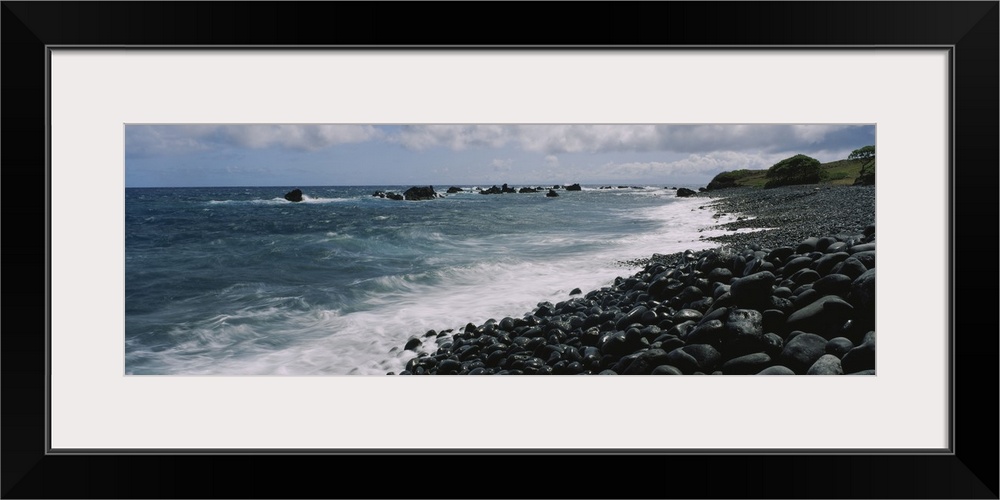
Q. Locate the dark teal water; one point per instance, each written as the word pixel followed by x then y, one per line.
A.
pixel 239 281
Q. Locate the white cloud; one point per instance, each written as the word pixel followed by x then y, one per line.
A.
pixel 455 137
pixel 552 160
pixel 696 164
pixel 167 139
pixel 502 165
pixel 557 139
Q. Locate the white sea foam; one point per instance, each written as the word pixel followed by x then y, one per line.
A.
pixel 273 338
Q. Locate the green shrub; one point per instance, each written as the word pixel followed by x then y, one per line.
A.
pixel 728 179
pixel 867 175
pixel 799 169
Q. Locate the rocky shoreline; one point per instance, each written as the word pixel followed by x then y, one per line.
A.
pixel 798 298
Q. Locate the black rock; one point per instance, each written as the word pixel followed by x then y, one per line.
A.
pixel 825 316
pixel 575 291
pixel 294 195
pixel 552 193
pixel 574 187
pixel 861 357
pixel 412 344
pixel 833 284
pixel 418 193
pixel 753 289
pixel 839 346
pixel 776 370
pixel 851 267
pixel 453 190
pixel 802 351
pixel 807 245
pixel 685 192
pixel 824 264
pixel 863 292
pixel 744 324
pixel 794 265
pixel 646 361
pixel 708 332
pixel 827 364
pixel 527 190
pixel 694 357
pixel 747 365
pixel 866 258
pixel 666 370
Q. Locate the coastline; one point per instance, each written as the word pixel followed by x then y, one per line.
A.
pixel 796 297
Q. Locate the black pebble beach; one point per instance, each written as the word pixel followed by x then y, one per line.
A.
pixel 796 298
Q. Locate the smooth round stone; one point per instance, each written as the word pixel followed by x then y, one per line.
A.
pixel 795 265
pixel 864 247
pixel 703 304
pixel 449 367
pixel 615 345
pixel 804 276
pixel 646 361
pixel 860 358
pixel 802 351
pixel 633 316
pixel 753 266
pixel 690 294
pixel 833 284
pixel 747 365
pixel 412 344
pixel 687 315
pixel 705 333
pixel 672 343
pixel 649 318
pixel 622 364
pixel 773 344
pixel 607 372
pixel 827 364
pixel 721 275
pixel 824 264
pixel 718 313
pixel 754 288
pixel 805 298
pixel 779 254
pixel 839 246
pixel 807 245
pixel 851 267
pixel 744 323
pixel 682 329
pixel 823 243
pixel 782 291
pixel 776 370
pixel 477 371
pixel 666 370
pixel 863 291
pixel 839 346
pixel 825 316
pixel 866 258
pixel 694 357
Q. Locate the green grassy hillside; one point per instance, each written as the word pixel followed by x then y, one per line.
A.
pixel 839 173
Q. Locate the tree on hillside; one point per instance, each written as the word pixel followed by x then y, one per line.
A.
pixel 799 169
pixel 865 154
pixel 867 157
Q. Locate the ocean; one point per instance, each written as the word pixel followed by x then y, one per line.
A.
pixel 240 281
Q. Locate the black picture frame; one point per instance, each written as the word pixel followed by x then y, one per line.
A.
pixel 970 28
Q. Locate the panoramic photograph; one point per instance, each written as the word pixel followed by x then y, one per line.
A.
pixel 499 249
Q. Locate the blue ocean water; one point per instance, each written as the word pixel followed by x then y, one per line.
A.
pixel 239 281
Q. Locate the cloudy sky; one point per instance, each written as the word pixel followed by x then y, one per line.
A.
pixel 442 155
